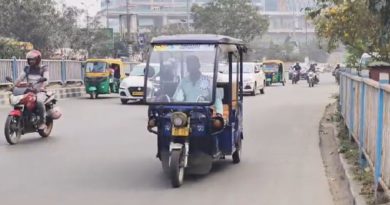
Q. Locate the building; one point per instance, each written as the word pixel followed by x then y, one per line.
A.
pixel 286 16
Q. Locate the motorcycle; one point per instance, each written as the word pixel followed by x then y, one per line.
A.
pixel 295 77
pixel 23 119
pixel 312 78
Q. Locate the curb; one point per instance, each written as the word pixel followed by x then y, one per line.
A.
pixel 354 186
pixel 60 93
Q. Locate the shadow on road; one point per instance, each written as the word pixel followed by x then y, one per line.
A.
pixel 29 140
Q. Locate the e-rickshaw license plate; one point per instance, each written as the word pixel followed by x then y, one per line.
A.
pixel 138 93
pixel 180 132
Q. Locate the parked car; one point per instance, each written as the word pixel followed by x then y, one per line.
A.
pixel 132 87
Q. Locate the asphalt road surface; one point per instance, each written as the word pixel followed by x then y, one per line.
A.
pixel 101 153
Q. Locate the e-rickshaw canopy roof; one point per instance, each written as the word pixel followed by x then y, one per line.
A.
pixel 196 39
pixel 272 62
pixel 106 60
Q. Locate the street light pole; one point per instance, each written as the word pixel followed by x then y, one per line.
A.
pixel 107 22
pixel 128 29
pixel 127 21
pixel 188 15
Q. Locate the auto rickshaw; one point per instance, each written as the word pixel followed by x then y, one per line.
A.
pixel 274 72
pixel 196 118
pixel 103 76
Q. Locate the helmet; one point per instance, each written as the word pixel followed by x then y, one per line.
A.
pixel 55 113
pixel 34 57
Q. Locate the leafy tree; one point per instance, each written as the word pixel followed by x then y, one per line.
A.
pixel 234 18
pixel 8 49
pixel 355 24
pixel 28 20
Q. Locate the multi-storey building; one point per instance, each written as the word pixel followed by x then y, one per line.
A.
pixel 286 16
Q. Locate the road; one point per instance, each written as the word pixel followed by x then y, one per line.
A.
pixel 101 153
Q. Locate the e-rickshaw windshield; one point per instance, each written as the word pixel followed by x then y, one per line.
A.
pixel 96 67
pixel 270 67
pixel 186 74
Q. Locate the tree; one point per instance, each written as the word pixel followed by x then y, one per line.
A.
pixel 234 18
pixel 381 8
pixel 38 22
pixel 9 49
pixel 352 23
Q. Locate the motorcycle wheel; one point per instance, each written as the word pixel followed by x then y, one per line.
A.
pixel 49 127
pixel 12 136
pixel 92 96
pixel 176 167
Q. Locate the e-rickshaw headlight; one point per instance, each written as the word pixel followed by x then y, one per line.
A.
pixel 179 119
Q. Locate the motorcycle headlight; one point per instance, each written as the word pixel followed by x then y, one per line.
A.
pixel 179 119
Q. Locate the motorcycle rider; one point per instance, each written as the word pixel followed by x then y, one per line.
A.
pixel 298 68
pixel 336 69
pixel 313 69
pixel 336 73
pixel 32 73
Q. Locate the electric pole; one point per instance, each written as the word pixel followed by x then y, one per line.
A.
pixel 107 22
pixel 188 15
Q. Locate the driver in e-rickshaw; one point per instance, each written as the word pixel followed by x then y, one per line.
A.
pixel 197 87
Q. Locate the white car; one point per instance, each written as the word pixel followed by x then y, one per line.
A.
pixel 132 87
pixel 254 78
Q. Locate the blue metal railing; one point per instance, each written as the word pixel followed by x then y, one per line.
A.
pixel 60 71
pixel 365 106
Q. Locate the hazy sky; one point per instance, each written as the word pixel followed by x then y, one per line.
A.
pixel 93 6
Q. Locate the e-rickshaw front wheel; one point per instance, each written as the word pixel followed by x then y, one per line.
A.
pixel 176 167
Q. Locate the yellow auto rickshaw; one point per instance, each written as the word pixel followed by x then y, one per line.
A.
pixel 274 72
pixel 103 76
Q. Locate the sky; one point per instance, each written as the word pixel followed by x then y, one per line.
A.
pixel 93 6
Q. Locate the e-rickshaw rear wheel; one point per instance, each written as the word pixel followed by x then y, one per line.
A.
pixel 176 167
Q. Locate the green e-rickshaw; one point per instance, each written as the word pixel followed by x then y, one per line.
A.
pixel 274 72
pixel 103 76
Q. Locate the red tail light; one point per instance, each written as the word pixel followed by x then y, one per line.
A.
pixel 15 113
